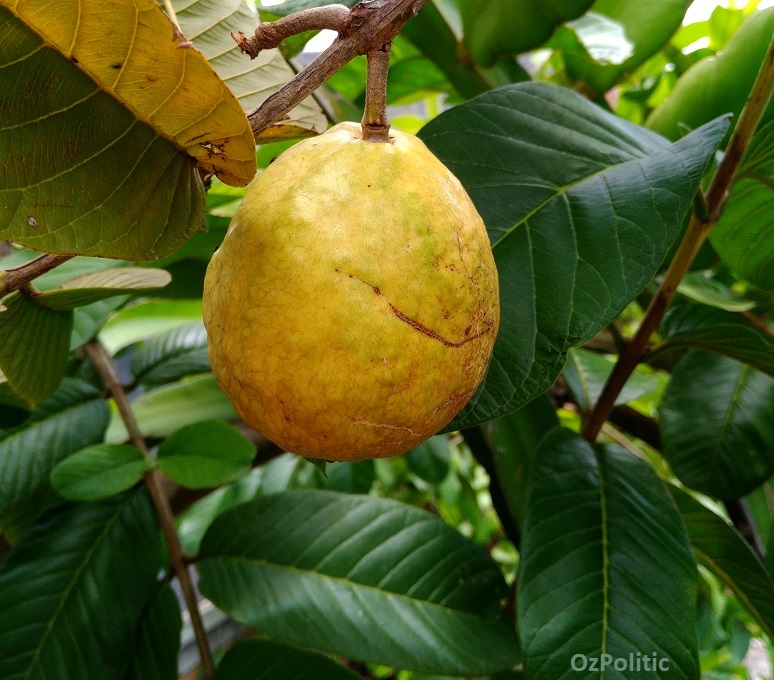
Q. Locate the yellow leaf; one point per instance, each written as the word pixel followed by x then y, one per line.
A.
pixel 207 24
pixel 133 52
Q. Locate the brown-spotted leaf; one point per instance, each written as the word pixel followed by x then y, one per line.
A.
pixel 103 116
pixel 133 51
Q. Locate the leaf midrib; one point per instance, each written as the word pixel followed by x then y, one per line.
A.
pixel 75 578
pixel 339 579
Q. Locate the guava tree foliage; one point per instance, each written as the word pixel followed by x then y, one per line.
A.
pixel 602 505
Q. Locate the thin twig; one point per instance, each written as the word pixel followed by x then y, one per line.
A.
pixel 694 237
pixel 18 277
pixel 376 127
pixel 370 25
pixel 98 355
pixel 271 34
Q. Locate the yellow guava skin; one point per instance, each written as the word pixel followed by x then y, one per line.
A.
pixel 353 306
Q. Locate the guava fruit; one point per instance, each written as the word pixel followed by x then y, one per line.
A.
pixel 353 306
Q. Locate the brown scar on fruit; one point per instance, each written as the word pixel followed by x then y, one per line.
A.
pixel 416 325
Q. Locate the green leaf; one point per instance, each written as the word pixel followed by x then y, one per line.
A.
pixel 172 355
pixel 717 85
pixel 74 417
pixel 291 6
pixel 430 460
pixel 586 373
pixel 208 25
pixel 34 344
pixel 206 454
pixel 267 660
pixel 744 234
pixel 572 197
pixel 436 32
pixel 98 472
pixel 162 411
pixel 712 329
pixel 157 642
pixel 145 319
pixel 647 26
pixel 721 549
pixel 13 409
pixel 494 28
pixel 716 426
pixel 88 288
pixel 606 565
pixel 701 287
pixel 595 38
pixel 513 441
pixel 364 567
pixel 77 583
pixel 357 477
pixel 87 320
pixel 286 472
pixel 142 197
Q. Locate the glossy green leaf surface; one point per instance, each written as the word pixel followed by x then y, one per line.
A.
pixel 98 471
pixel 140 321
pixel 157 642
pixel 77 583
pixel 34 344
pixel 357 477
pixel 744 234
pixel 96 286
pixel 430 460
pixel 581 208
pixel 74 417
pixel 717 85
pixel 162 411
pixel 716 426
pixel 513 441
pixel 268 660
pixel 288 471
pixel 708 328
pixel 382 581
pixel 586 373
pixel 172 355
pixel 703 287
pixel 437 31
pixel 721 549
pixel 88 319
pixel 647 26
pixel 206 454
pixel 142 197
pixel 606 564
pixel 494 28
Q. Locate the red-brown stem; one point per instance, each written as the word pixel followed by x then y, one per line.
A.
pixel 17 277
pixel 376 127
pixel 98 355
pixel 689 246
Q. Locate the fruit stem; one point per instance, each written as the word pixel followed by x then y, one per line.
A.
pixel 376 127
